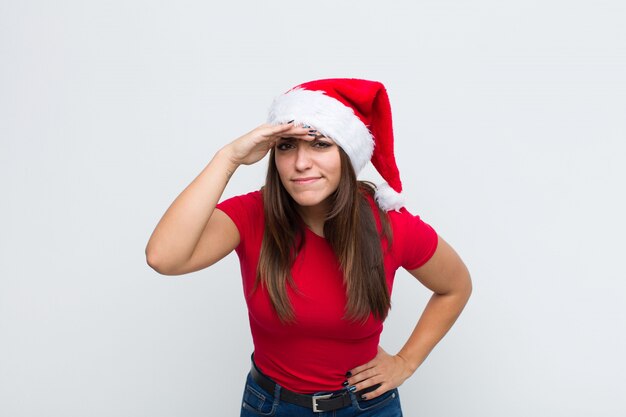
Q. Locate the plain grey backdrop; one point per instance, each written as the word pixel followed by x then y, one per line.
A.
pixel 510 138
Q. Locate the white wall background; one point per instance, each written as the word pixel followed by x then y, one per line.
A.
pixel 510 128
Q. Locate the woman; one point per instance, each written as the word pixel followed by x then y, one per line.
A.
pixel 318 252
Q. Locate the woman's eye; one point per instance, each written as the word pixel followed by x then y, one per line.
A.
pixel 284 146
pixel 320 144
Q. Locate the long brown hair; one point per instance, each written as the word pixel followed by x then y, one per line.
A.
pixel 351 231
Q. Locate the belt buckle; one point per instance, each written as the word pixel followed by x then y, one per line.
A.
pixel 319 397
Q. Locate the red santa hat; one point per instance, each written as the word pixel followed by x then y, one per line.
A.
pixel 354 113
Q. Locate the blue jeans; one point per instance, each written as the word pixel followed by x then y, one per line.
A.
pixel 258 402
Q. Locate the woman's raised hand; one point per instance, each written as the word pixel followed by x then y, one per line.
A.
pixel 189 237
pixel 254 145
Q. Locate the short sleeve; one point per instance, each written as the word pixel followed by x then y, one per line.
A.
pixel 415 241
pixel 246 211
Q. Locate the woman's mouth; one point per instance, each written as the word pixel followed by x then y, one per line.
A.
pixel 305 180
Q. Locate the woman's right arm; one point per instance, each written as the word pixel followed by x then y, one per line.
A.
pixel 192 235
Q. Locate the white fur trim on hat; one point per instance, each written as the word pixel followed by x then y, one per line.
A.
pixel 330 117
pixel 387 198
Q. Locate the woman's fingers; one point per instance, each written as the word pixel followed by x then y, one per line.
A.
pixel 276 129
pixel 254 145
pixel 274 132
pixel 361 373
pixel 387 370
pixel 378 391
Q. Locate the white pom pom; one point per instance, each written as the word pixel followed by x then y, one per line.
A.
pixel 388 199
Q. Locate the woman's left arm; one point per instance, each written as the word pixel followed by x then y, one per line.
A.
pixel 447 276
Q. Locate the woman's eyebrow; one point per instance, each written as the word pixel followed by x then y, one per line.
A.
pixel 292 139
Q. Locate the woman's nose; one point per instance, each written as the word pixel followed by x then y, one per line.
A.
pixel 303 159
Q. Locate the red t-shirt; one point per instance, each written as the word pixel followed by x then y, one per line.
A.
pixel 314 354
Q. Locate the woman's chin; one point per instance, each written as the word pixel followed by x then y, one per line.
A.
pixel 308 202
pixel 309 199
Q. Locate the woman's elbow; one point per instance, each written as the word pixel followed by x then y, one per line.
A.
pixel 465 286
pixel 153 262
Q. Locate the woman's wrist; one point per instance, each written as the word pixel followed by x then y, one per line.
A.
pixel 409 364
pixel 226 155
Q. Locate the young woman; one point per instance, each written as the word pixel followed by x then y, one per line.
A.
pixel 318 252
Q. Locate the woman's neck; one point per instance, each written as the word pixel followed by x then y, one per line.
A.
pixel 314 216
